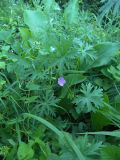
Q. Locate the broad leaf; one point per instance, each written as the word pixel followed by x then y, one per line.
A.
pixel 36 20
pixel 25 151
pixel 104 52
pixel 71 12
pixel 2 65
pixel 110 152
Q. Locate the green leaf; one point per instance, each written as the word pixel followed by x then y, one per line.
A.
pixel 36 20
pixel 115 72
pixel 73 146
pixel 110 152
pixel 25 151
pixel 88 146
pixel 50 5
pixel 90 99
pixel 104 52
pixel 29 99
pixel 4 35
pixel 31 86
pixel 71 13
pixel 2 82
pixel 25 33
pixel 99 121
pixel 71 79
pixel 108 6
pixel 81 148
pixel 2 65
pixel 12 153
pixel 44 122
pixel 44 149
pixel 5 48
pixel 53 157
pixel 106 133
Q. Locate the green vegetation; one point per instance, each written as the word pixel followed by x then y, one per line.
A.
pixel 59 80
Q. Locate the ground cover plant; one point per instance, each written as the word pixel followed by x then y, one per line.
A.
pixel 59 80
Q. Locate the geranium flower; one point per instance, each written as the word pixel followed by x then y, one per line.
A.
pixel 61 81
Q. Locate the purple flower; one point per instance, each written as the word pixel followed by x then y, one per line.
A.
pixel 61 81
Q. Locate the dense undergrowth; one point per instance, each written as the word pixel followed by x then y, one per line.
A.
pixel 59 81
